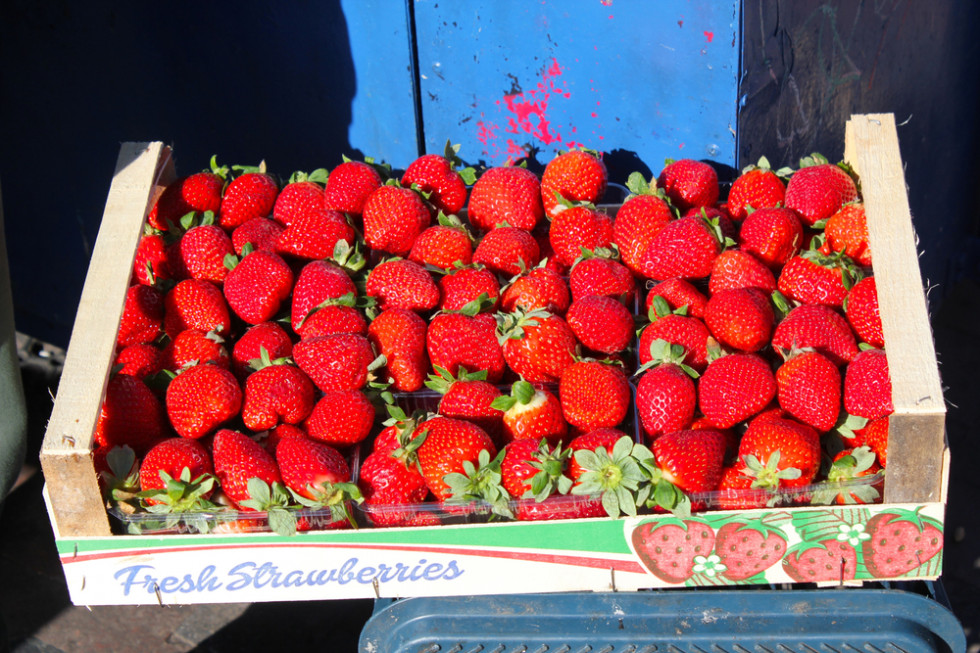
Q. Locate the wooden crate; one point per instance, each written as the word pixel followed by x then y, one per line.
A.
pixel 594 555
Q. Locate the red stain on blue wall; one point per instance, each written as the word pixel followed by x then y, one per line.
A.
pixel 710 36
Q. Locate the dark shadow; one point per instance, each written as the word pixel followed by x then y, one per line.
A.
pixel 621 163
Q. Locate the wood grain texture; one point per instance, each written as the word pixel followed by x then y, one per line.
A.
pixel 66 453
pixel 916 429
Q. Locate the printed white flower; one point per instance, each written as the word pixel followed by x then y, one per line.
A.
pixel 708 566
pixel 853 535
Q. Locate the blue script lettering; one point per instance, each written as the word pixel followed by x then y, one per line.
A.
pixel 131 579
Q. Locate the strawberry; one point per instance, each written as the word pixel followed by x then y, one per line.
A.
pixel 867 385
pixel 202 398
pixel 537 345
pixel 734 388
pixel 597 275
pixel 594 395
pixel 668 549
pixel 277 394
pixel 850 464
pixel 251 195
pixel 579 228
pixel 847 232
pixel 748 549
pixel 196 304
pixel 349 185
pixel 609 470
pixel 393 218
pixel 200 254
pixel 281 432
pixel 261 233
pixel 317 282
pixel 605 438
pixel 387 481
pixel 444 246
pixel 691 460
pixel 689 184
pixel 506 194
pixel 338 362
pixel 237 460
pixel 400 283
pixel 875 435
pixel 539 287
pixel 601 323
pixel 773 236
pixel 715 215
pixel 269 336
pixel 313 470
pixel 736 492
pixel 819 328
pixel 819 189
pixel 809 389
pixel 152 262
pixel 333 316
pixel 758 187
pixel 460 286
pixel 665 394
pixel 827 560
pixel 457 339
pixel 740 318
pixel 685 248
pixel 142 316
pixel 447 443
pixel 812 278
pixel 689 332
pixel 507 251
pixel 199 192
pixel 140 360
pixel 738 269
pixel 257 286
pixel 175 459
pixel 469 396
pixel 862 312
pixel 340 418
pixel 398 334
pixel 192 347
pixel 533 413
pixel 531 472
pixel 642 216
pixel 679 294
pixel 300 196
pixel 315 235
pixel 574 176
pixel 780 453
pixel 437 176
pixel 130 415
pixel 900 541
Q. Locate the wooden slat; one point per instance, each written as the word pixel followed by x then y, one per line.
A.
pixel 916 429
pixel 66 454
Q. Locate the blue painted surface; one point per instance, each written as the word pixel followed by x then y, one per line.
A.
pixel 644 82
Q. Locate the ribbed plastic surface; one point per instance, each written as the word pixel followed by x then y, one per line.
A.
pixel 711 621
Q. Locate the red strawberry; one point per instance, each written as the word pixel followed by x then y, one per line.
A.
pixel 400 283
pixel 688 332
pixel 334 316
pixel 470 397
pixel 819 328
pixel 868 386
pixel 668 548
pixel 142 317
pixel 863 314
pixel 748 549
pixel 202 398
pixel 758 187
pixel 809 389
pixel 601 324
pixel 152 260
pixel 252 195
pixel 131 415
pixel 398 334
pixel 509 195
pixel 819 189
pixel 736 491
pixel 393 219
pixel 537 345
pixel 875 435
pixel 899 542
pixel 200 254
pixel 140 360
pixel 299 197
pixel 532 413
pixel 689 184
pixel 257 286
pixel 269 336
pixel 734 388
pixel 192 347
pixel 685 248
pixel 679 294
pixel 317 282
pixel 456 339
pixel 340 418
pixel 312 469
pixel 262 233
pixel 596 275
pixel 594 395
pixel 443 246
pixel 737 269
pixel 539 287
pixel 575 176
pixel 827 560
pixel 578 228
pixel 238 459
pixel 437 175
pixel 172 457
pixel 847 232
pixel 665 394
pixel 349 186
pixel 780 453
pixel 460 286
pixel 446 444
pixel 774 236
pixel 282 432
pixel 848 465
pixel 337 362
pixel 277 394
pixel 315 235
pixel 199 192
pixel 812 278
pixel 523 460
pixel 196 304
pixel 387 482
pixel 643 215
pixel 740 318
pixel 691 460
pixel 507 251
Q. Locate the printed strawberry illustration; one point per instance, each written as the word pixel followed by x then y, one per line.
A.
pixel 749 548
pixel 671 548
pixel 825 561
pixel 900 541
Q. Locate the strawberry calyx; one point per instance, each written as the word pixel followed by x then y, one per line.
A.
pixel 215 169
pixel 521 392
pixel 848 424
pixel 348 257
pixel 659 308
pixel 443 379
pixel 637 184
pixel 273 500
pixel 667 353
pixel 383 169
pixel 334 497
pixel 510 326
pixel 563 204
pixel 767 476
pixel 611 253
pixel 451 153
pixel 319 176
pixel 550 478
pixel 614 476
pixel 179 495
pixel 265 360
pixel 409 437
pixel 121 479
pixel 480 482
